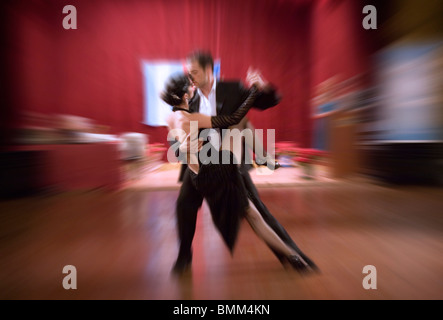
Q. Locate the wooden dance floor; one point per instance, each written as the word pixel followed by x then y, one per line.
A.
pixel 123 245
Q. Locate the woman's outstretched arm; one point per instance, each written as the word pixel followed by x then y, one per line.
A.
pixel 224 121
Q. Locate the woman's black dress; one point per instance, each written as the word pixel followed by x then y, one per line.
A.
pixel 221 183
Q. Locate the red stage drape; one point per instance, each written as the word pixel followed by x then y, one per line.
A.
pixel 95 70
pixel 340 45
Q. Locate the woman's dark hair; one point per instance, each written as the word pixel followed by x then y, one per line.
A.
pixel 175 88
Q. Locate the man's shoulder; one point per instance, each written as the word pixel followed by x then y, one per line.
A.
pixel 230 86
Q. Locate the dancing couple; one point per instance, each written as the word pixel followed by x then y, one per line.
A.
pixel 226 185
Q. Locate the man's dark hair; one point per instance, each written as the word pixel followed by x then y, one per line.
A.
pixel 204 58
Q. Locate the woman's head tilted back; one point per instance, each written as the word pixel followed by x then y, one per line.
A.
pixel 176 87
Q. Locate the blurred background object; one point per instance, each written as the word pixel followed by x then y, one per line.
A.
pixel 403 128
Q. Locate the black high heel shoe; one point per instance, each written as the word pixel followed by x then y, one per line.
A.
pixel 297 264
pixel 182 266
pixel 275 166
pixel 270 166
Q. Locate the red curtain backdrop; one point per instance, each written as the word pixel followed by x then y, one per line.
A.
pixel 95 70
pixel 340 45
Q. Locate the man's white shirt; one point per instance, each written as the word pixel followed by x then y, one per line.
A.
pixel 208 106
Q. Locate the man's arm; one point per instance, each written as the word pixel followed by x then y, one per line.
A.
pixel 267 98
pixel 267 95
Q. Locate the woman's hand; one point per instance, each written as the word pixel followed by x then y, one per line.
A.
pixel 254 77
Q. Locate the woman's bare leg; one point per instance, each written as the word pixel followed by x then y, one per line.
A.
pixel 268 235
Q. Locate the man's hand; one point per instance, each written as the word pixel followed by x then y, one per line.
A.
pixel 254 77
